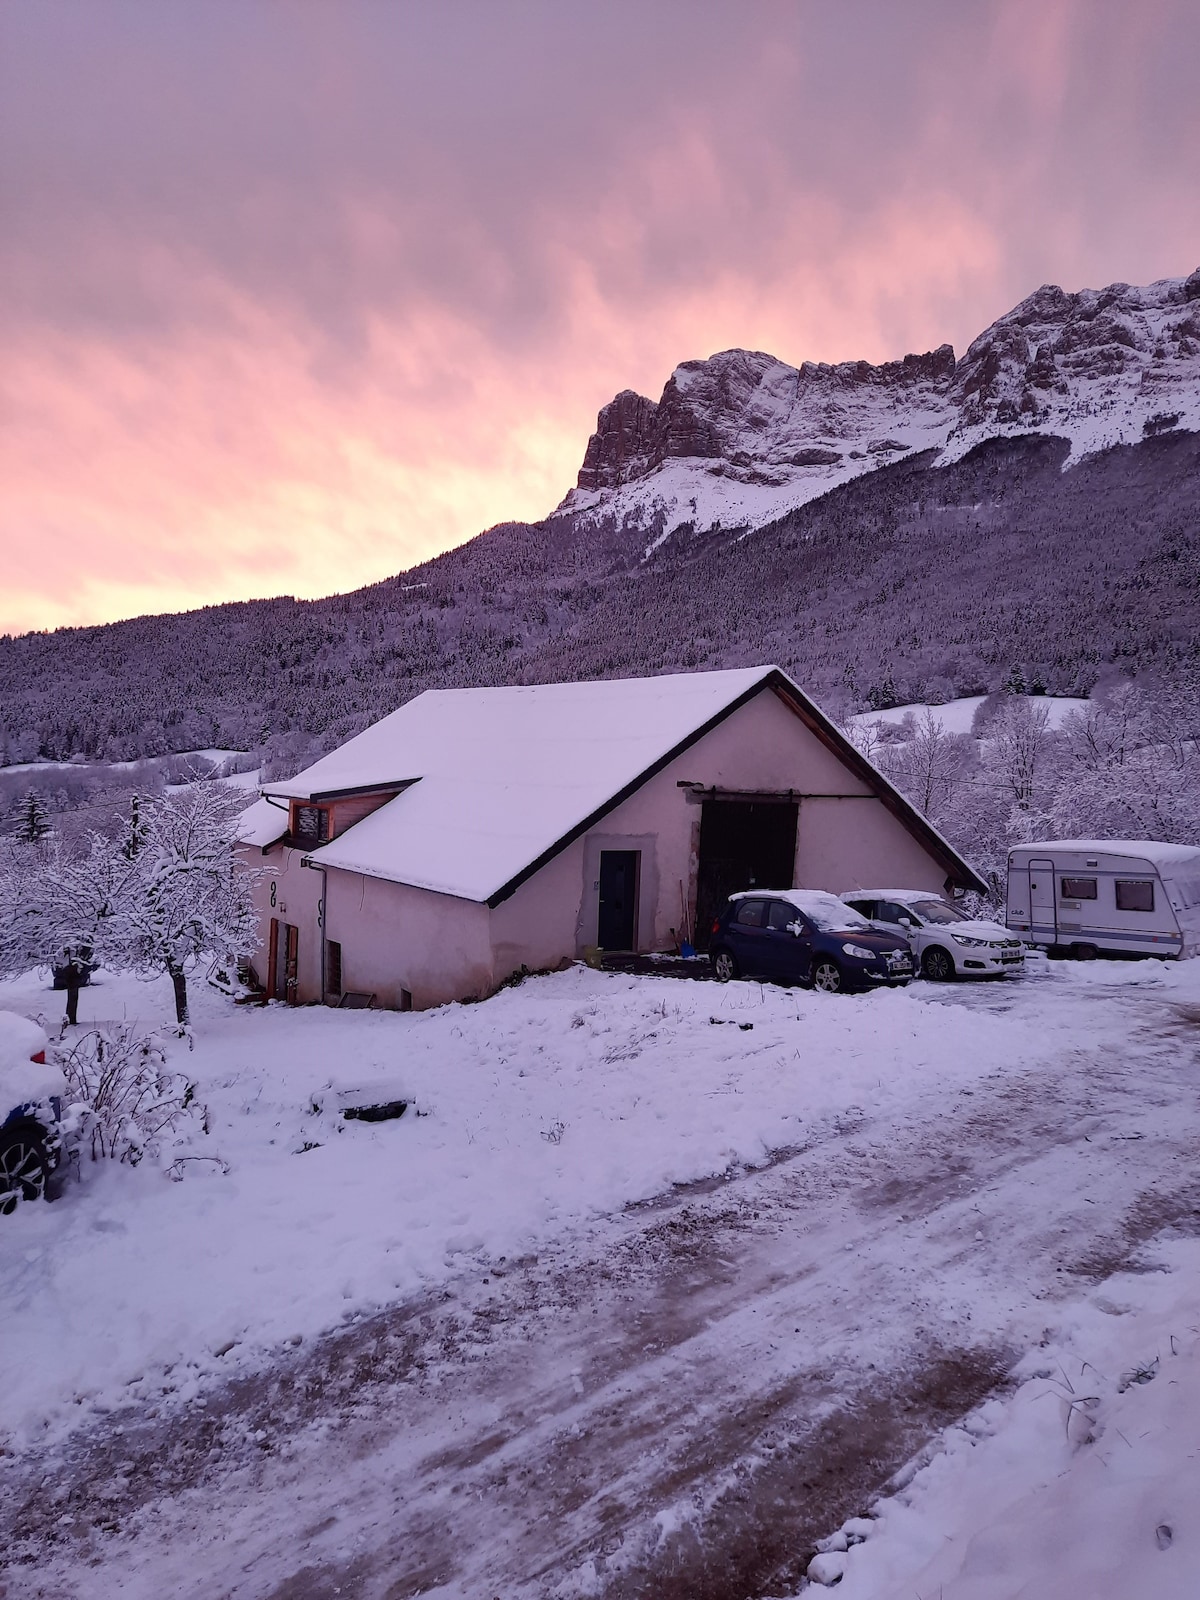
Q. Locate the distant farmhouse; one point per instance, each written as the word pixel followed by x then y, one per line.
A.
pixel 478 831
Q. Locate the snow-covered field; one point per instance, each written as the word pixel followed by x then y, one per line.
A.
pixel 942 1169
pixel 562 1099
pixel 958 716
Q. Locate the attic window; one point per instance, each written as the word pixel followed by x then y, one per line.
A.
pixel 311 825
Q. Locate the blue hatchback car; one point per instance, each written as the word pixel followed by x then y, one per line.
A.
pixel 805 936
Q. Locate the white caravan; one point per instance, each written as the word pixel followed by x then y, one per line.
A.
pixel 1090 897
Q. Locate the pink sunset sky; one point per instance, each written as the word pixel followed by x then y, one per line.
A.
pixel 295 295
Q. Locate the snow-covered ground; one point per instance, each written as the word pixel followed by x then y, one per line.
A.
pixel 957 716
pixel 570 1392
pixel 564 1098
pixel 48 768
pixel 1085 1482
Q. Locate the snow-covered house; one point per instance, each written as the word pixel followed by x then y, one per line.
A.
pixel 477 831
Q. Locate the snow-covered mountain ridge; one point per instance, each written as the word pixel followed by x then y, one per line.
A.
pixel 742 438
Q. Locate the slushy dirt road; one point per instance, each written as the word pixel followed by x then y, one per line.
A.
pixel 678 1401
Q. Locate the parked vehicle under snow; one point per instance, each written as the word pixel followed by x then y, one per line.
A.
pixel 1090 897
pixel 945 942
pixel 31 1095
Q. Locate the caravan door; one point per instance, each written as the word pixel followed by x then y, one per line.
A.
pixel 1043 915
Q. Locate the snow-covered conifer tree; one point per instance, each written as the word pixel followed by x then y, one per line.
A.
pixel 33 823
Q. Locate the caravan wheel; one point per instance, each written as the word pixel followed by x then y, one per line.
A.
pixel 1084 952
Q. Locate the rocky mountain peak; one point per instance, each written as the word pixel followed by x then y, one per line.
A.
pixel 740 438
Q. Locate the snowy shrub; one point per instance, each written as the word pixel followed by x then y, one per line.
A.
pixel 126 1100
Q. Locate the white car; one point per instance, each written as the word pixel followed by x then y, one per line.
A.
pixel 944 940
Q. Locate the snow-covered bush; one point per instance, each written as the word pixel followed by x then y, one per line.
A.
pixel 125 1101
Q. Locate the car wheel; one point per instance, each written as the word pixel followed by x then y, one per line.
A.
pixel 24 1168
pixel 724 966
pixel 938 964
pixel 827 977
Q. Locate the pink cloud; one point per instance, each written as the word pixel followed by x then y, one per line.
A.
pixel 289 305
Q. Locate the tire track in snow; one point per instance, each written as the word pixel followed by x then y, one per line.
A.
pixel 676 1402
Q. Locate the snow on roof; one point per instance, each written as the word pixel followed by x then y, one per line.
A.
pixel 1161 855
pixel 261 824
pixel 504 774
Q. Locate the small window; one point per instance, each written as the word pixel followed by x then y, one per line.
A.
pixel 1077 889
pixel 781 915
pixel 333 967
pixel 1135 894
pixel 312 825
pixel 865 908
pixel 889 911
pixel 751 914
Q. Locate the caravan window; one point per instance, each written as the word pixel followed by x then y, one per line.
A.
pixel 1078 889
pixel 1135 894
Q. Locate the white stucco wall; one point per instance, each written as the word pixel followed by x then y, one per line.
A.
pixel 396 938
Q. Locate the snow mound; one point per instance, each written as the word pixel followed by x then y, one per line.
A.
pixel 24 1081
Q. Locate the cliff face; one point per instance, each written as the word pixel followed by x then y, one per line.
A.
pixel 952 545
pixel 742 438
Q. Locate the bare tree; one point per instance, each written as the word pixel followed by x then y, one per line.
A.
pixel 62 909
pixel 1018 752
pixel 930 766
pixel 189 895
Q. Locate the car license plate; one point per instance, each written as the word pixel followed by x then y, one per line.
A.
pixel 1012 955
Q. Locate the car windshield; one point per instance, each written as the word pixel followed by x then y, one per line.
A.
pixel 831 915
pixel 938 911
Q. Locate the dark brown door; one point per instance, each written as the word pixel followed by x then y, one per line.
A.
pixel 274 992
pixel 744 844
pixel 293 965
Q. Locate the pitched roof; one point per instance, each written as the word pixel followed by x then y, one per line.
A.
pixel 494 782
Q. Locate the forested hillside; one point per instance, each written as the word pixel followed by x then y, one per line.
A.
pixel 914 582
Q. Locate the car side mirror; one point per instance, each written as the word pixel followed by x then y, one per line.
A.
pixel 795 929
pixel 907 922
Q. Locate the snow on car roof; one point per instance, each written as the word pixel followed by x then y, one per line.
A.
pixel 906 897
pixel 827 910
pixel 22 1080
pixel 1162 855
pixel 503 774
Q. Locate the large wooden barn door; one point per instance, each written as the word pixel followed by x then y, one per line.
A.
pixel 744 844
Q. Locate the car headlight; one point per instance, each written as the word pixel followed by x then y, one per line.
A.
pixel 860 952
pixel 962 938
